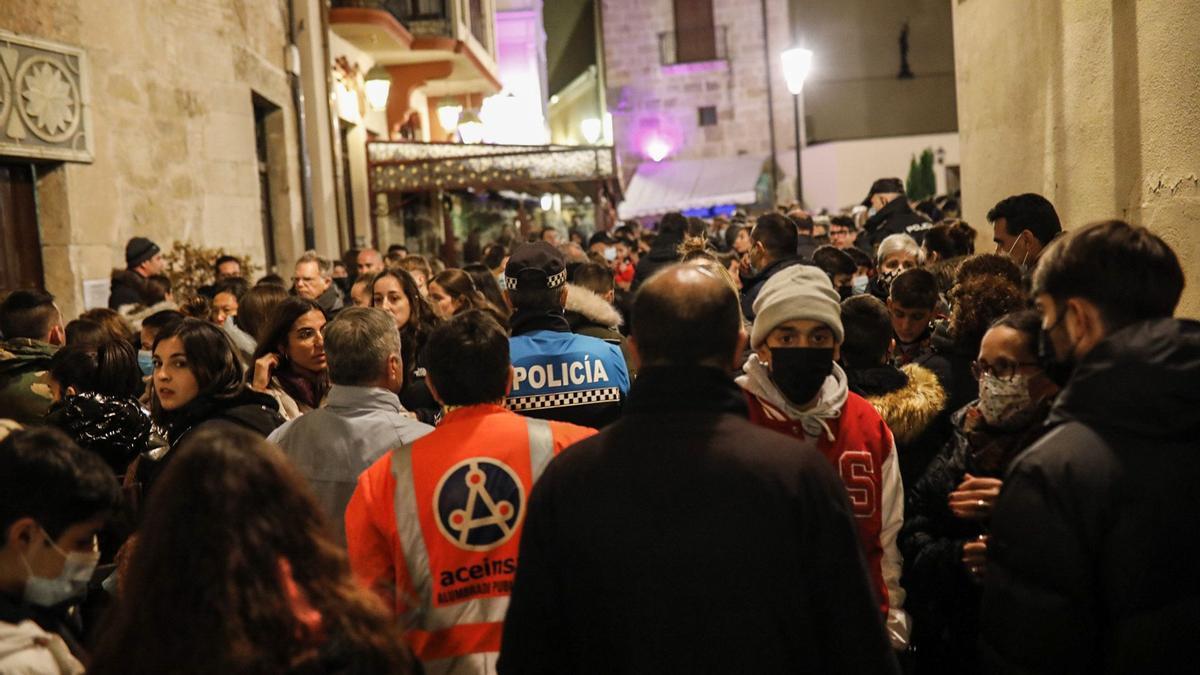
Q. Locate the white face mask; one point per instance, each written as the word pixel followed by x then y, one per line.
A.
pixel 610 253
pixel 1023 258
pixel 70 583
pixel 1002 402
pixel 859 283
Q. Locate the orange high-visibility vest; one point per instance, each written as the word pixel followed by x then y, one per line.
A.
pixel 435 527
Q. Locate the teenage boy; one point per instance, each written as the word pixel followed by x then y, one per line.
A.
pixel 794 386
pixel 56 497
pixel 912 301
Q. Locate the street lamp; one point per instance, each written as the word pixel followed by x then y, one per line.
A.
pixel 448 112
pixel 470 127
pixel 796 64
pixel 378 86
pixel 592 129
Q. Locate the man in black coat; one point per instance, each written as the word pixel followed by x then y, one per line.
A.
pixel 1093 547
pixel 892 214
pixel 665 249
pixel 143 259
pixel 773 242
pixel 683 538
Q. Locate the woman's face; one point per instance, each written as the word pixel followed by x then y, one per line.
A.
pixel 741 243
pixel 443 305
pixel 899 261
pixel 305 344
pixel 389 296
pixel 174 382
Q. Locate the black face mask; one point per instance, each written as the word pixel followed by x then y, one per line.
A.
pixel 1058 370
pixel 799 372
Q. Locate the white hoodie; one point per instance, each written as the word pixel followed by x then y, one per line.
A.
pixel 26 649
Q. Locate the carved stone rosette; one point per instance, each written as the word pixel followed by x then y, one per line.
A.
pixel 45 100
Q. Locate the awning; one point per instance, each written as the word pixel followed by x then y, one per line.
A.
pixel 579 171
pixel 662 187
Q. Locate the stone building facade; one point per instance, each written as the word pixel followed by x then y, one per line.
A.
pixel 1094 105
pixel 176 90
pixel 653 99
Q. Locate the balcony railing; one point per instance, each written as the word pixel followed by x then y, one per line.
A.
pixel 420 17
pixel 692 46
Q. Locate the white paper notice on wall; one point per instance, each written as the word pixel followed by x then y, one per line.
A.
pixel 95 293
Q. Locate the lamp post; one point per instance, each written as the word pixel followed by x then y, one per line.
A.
pixel 797 61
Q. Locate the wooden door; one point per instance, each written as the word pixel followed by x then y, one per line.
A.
pixel 20 245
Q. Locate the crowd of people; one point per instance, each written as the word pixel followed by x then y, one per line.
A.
pixel 787 443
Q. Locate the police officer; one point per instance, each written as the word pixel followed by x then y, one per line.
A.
pixel 557 374
pixel 434 525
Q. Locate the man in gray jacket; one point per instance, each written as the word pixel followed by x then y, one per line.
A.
pixel 362 417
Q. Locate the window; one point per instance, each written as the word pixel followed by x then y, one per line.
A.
pixel 268 122
pixel 708 116
pixel 695 31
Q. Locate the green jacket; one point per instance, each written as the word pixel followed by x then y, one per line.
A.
pixel 24 386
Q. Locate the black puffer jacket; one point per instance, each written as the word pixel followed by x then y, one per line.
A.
pixel 116 428
pixel 249 409
pixel 942 598
pixel 1096 535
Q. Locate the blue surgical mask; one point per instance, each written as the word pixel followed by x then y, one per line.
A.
pixel 70 583
pixel 860 283
pixel 146 362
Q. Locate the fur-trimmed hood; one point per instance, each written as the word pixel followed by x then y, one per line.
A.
pixel 591 307
pixel 910 409
pixel 135 314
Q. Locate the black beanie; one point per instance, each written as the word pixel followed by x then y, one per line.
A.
pixel 138 251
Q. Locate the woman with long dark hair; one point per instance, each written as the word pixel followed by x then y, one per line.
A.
pixel 453 292
pixel 486 282
pixel 290 362
pixel 234 572
pixel 197 383
pixel 396 292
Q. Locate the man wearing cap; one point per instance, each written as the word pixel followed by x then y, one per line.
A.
pixel 794 386
pixel 890 214
pixel 143 259
pixel 557 375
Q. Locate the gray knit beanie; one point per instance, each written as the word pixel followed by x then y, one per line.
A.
pixel 796 292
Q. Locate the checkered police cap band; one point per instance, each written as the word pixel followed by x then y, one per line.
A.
pixel 553 281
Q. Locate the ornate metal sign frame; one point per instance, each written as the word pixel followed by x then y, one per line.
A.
pixel 45 100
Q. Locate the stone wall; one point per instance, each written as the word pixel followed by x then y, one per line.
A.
pixel 647 98
pixel 174 133
pixel 1094 105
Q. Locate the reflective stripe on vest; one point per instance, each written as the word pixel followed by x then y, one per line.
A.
pixel 424 616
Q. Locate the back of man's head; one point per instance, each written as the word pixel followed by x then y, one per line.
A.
pixel 1029 211
pixel 833 261
pixel 1129 273
pixel 28 313
pixel 777 234
pixel 868 327
pixel 466 359
pixel 802 220
pixel 595 277
pixel 686 315
pixel 914 289
pixel 673 223
pixel 45 476
pixel 359 341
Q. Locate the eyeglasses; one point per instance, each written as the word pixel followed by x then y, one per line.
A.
pixel 1003 369
pixel 839 233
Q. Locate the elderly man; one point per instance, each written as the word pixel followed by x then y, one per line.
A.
pixel 369 262
pixel 313 280
pixel 362 418
pixel 682 522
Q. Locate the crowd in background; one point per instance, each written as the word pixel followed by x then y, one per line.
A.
pixel 834 442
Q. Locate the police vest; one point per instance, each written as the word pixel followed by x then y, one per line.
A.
pixel 458 522
pixel 567 377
